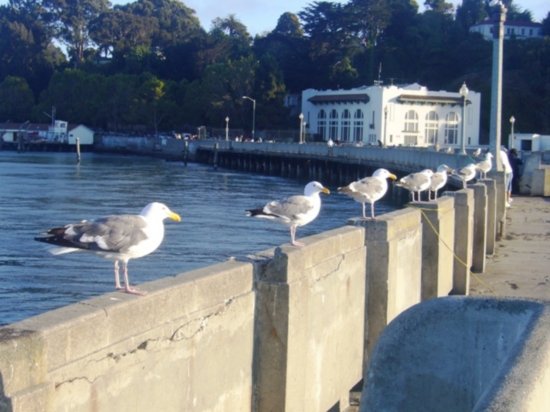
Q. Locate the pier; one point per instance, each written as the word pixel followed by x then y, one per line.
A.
pixel 297 329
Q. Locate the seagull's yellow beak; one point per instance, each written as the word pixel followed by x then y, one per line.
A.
pixel 392 176
pixel 174 216
pixel 325 191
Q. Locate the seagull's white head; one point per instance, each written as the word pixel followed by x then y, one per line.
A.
pixel 315 187
pixel 384 174
pixel 160 211
pixel 443 168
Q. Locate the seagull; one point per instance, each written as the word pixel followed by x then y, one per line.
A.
pixel 116 237
pixel 369 189
pixel 416 182
pixel 485 165
pixel 439 179
pixel 466 174
pixel 477 152
pixel 294 211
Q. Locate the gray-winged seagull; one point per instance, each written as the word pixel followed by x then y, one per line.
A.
pixel 439 179
pixel 294 211
pixel 416 182
pixel 117 237
pixel 369 189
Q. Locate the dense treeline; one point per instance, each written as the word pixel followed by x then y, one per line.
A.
pixel 149 65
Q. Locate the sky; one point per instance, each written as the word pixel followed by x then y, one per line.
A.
pixel 261 16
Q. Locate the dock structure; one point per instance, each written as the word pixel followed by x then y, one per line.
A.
pixel 290 328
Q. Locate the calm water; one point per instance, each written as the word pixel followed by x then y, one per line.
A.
pixel 40 190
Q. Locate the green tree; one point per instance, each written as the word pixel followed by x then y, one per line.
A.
pixel 71 19
pixel 16 99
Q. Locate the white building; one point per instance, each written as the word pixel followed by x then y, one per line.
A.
pixel 393 116
pixel 529 142
pixel 84 134
pixel 512 29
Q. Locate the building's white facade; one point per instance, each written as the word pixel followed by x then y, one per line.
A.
pixel 518 30
pixel 392 116
pixel 84 134
pixel 529 142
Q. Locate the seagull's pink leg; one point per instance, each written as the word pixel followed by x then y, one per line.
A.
pixel 293 237
pixel 117 276
pixel 128 288
pixel 364 213
pixel 372 210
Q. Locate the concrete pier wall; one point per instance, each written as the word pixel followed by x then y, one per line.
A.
pixel 289 329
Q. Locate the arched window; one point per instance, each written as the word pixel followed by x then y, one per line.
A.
pixel 346 125
pixel 333 125
pixel 358 122
pixel 411 128
pixel 322 124
pixel 411 122
pixel 451 128
pixel 430 130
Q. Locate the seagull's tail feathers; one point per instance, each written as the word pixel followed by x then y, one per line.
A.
pixel 59 250
pixel 261 213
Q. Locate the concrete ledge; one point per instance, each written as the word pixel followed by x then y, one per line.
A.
pixel 463 353
pixel 187 345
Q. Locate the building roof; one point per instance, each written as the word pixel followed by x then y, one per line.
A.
pixel 423 99
pixel 340 98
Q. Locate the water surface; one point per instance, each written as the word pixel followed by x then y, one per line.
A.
pixel 41 190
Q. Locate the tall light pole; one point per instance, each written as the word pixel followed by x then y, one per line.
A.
pixel 464 93
pixel 301 117
pixel 498 17
pixel 253 114
pixel 512 144
pixel 226 128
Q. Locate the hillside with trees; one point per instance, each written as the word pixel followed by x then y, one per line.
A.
pixel 149 66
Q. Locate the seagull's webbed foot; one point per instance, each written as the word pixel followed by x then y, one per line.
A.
pixel 133 291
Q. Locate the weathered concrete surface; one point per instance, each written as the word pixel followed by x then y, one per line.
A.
pixel 438 228
pixel 394 245
pixel 463 244
pixel 479 255
pixel 520 266
pixel 463 353
pixel 187 345
pixel 540 181
pixel 309 322
pixel 491 210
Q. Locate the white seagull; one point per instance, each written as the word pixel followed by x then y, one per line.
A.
pixel 439 179
pixel 294 211
pixel 116 237
pixel 416 182
pixel 466 174
pixel 485 165
pixel 369 189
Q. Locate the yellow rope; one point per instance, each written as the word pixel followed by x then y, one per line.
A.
pixel 430 224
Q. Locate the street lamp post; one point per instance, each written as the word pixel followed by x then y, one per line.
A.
pixel 226 128
pixel 464 93
pixel 301 117
pixel 512 144
pixel 253 114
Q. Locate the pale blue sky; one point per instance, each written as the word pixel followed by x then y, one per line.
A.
pixel 262 15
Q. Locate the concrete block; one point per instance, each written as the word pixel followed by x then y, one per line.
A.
pixel 463 354
pixel 492 219
pixel 394 258
pixel 438 222
pixel 540 181
pixel 187 345
pixel 479 256
pixel 463 239
pixel 309 322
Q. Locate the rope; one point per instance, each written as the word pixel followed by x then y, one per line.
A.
pixel 430 224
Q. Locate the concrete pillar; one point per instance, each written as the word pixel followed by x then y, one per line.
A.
pixel 438 222
pixel 464 235
pixel 540 181
pixel 500 204
pixel 479 256
pixel 394 250
pixel 491 214
pixel 309 322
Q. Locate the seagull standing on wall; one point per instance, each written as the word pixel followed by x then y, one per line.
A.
pixel 416 182
pixel 369 189
pixel 439 179
pixel 485 165
pixel 294 211
pixel 117 237
pixel 466 174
